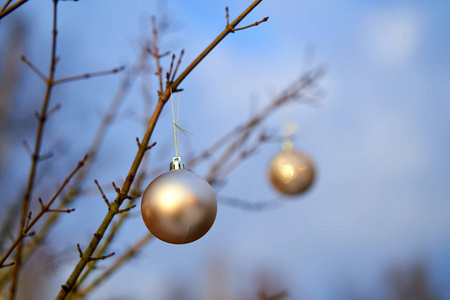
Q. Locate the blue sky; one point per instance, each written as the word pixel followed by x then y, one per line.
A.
pixel 379 137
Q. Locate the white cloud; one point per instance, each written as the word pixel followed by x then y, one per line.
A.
pixel 392 36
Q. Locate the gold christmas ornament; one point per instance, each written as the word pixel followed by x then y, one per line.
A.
pixel 291 172
pixel 179 207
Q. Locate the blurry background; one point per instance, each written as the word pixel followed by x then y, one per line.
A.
pixel 378 215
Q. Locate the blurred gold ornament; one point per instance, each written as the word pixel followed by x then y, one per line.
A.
pixel 291 172
pixel 179 206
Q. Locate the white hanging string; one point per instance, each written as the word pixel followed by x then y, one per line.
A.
pixel 176 133
pixel 176 126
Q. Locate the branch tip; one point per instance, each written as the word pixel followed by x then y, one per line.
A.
pixel 42 204
pixel 103 194
pixel 119 69
pixel 170 71
pixel 29 234
pixel 164 54
pixel 88 75
pixel 80 251
pixel 84 159
pixel 53 110
pixel 46 156
pixel 67 211
pixel 102 257
pixel 7 265
pixel 27 222
pixel 28 148
pixel 150 147
pixel 115 187
pixel 176 67
pixel 120 211
pixel 232 30
pixel 34 68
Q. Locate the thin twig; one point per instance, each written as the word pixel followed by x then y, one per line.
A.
pixel 100 251
pixel 52 110
pixel 155 53
pixel 44 209
pixel 296 90
pixel 91 258
pixel 176 67
pixel 110 237
pixel 170 70
pixel 214 147
pixel 34 68
pixel 7 265
pixel 121 211
pixel 68 211
pixel 10 9
pixel 292 92
pixel 247 205
pixel 89 75
pixel 36 152
pixel 113 229
pixel 227 168
pixel 103 194
pixel 130 253
pixel 103 257
pixel 5 6
pixel 7 223
pixel 45 156
pixel 28 148
pixel 116 188
pixel 232 29
pixel 108 118
pixel 67 287
pixel 28 219
pixel 251 25
pixel 148 147
pixel 145 86
pixel 212 45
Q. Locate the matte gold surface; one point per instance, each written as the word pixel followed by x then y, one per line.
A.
pixel 179 207
pixel 291 172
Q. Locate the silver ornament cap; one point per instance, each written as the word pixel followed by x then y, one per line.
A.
pixel 176 164
pixel 179 206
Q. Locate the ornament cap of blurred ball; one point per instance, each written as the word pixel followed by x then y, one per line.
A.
pixel 179 206
pixel 291 172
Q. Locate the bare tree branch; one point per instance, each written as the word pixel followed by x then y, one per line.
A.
pixel 5 6
pixel 163 98
pixel 44 209
pixel 93 150
pixel 156 55
pixel 36 151
pixel 292 92
pixel 130 253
